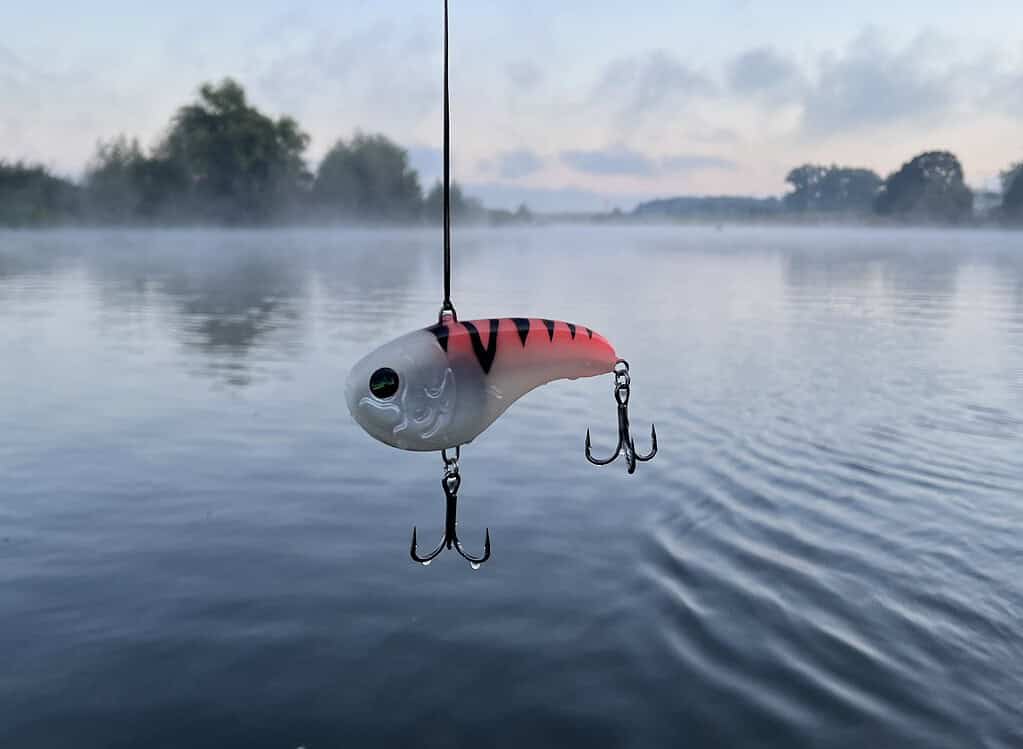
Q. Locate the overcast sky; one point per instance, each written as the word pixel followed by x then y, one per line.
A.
pixel 571 104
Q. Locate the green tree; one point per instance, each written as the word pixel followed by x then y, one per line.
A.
pixel 122 184
pixel 111 189
pixel 463 208
pixel 368 178
pixel 831 189
pixel 238 164
pixel 806 181
pixel 930 187
pixel 1012 193
pixel 30 195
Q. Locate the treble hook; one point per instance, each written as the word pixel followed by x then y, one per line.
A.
pixel 625 442
pixel 450 483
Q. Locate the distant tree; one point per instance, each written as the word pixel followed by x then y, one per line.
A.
pixel 806 183
pixel 521 215
pixel 368 178
pixel 237 163
pixel 831 189
pixel 222 160
pixel 111 180
pixel 31 195
pixel 1012 193
pixel 122 184
pixel 163 187
pixel 463 208
pixel 928 188
pixel 722 207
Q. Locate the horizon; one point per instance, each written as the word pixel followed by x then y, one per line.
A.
pixel 586 111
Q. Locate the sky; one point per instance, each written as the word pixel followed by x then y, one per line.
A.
pixel 571 105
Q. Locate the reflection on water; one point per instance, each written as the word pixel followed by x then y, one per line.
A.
pixel 226 312
pixel 198 547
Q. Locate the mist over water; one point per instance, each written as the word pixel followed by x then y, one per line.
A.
pixel 199 548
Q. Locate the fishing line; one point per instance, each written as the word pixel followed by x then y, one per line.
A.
pixel 438 388
pixel 447 306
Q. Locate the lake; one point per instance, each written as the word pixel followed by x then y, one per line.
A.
pixel 199 548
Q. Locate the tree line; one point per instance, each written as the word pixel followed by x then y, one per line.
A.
pixel 928 188
pixel 223 161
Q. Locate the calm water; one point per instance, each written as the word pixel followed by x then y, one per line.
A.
pixel 198 548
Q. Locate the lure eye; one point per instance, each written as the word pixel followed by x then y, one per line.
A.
pixel 383 383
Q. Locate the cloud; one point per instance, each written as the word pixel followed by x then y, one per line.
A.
pixel 553 199
pixel 50 116
pixel 764 72
pixel 537 119
pixel 622 161
pixel 654 82
pixel 692 162
pixel 715 135
pixel 10 60
pixel 1003 89
pixel 518 163
pixel 871 84
pixel 524 75
pixel 380 72
pixel 615 160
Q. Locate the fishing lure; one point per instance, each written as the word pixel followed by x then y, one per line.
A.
pixel 440 387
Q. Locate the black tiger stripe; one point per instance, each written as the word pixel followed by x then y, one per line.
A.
pixel 522 325
pixel 441 331
pixel 571 329
pixel 485 356
pixel 549 324
pixel 589 333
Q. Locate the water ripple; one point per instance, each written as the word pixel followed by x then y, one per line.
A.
pixel 198 546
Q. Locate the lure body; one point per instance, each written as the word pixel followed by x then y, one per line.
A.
pixel 440 387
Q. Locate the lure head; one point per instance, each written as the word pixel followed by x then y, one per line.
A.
pixel 403 394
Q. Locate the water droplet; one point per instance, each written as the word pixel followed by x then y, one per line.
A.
pixel 427 563
pixel 475 565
